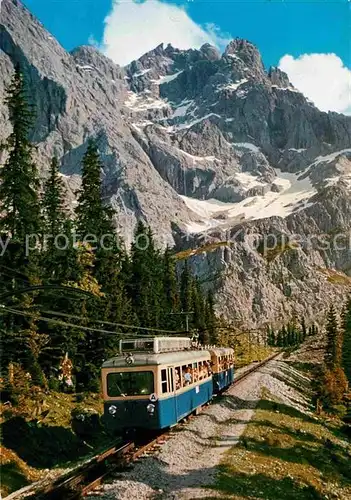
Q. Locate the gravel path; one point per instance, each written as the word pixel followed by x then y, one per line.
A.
pixel 187 463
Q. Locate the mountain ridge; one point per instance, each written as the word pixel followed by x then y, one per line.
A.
pixel 197 144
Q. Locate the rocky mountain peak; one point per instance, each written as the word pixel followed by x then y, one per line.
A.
pixel 89 58
pixel 246 51
pixel 278 77
pixel 210 52
pixel 200 147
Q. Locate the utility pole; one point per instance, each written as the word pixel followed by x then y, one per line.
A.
pixel 186 314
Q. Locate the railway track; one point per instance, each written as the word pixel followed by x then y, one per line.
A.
pixel 86 478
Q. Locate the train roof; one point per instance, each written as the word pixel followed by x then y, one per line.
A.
pixel 151 359
pixel 222 351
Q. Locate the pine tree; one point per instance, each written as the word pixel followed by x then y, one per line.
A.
pixel 19 181
pixel 279 340
pixel 210 318
pixel 283 337
pixel 271 336
pixel 332 354
pixel 93 217
pixel 315 329
pixel 56 228
pixel 87 348
pixel 19 219
pixel 170 291
pixel 346 344
pixel 154 265
pixel 290 335
pixel 145 285
pixel 185 288
pixel 303 329
pixel 53 202
pixel 198 318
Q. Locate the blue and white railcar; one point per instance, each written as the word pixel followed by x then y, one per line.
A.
pixel 222 362
pixel 155 390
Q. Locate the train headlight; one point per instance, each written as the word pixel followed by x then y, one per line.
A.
pixel 129 359
pixel 112 410
pixel 151 408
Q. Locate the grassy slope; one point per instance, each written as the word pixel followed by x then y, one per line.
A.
pixel 33 445
pixel 246 356
pixel 287 455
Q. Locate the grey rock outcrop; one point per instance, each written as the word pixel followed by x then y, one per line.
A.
pixel 177 128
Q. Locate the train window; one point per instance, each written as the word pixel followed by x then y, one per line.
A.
pixel 170 380
pixel 164 381
pixel 122 384
pixel 187 375
pixel 195 373
pixel 178 378
pixel 201 374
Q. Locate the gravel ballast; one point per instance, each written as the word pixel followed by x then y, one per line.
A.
pixel 186 464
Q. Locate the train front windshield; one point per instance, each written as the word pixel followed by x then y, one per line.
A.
pixel 122 384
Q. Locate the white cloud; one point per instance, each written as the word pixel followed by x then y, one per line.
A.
pixel 133 28
pixel 322 78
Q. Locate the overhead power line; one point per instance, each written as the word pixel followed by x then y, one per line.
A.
pixel 34 288
pixel 73 325
pixel 122 325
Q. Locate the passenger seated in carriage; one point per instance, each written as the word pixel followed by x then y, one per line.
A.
pixel 187 377
pixel 177 378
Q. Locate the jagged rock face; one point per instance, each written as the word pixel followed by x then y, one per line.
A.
pixel 202 146
pixel 79 96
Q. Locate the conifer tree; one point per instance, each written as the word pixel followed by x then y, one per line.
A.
pixel 19 181
pixel 210 318
pixel 279 340
pixel 185 288
pixel 271 336
pixel 332 354
pixel 56 228
pixel 154 259
pixel 346 344
pixel 87 348
pixel 145 287
pixel 197 307
pixel 93 217
pixel 53 202
pixel 170 291
pixel 303 329
pixel 290 335
pixel 313 329
pixel 19 218
pixel 283 337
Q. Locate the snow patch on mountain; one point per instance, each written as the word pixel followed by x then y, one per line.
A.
pixel 186 125
pixel 85 67
pixel 139 102
pixel 344 179
pixel 290 89
pixel 248 181
pixel 246 145
pixel 167 78
pixel 232 86
pixel 182 109
pixel 331 157
pixel 140 73
pixel 294 196
pixel 199 158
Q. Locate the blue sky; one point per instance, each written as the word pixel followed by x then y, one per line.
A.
pixel 310 40
pixel 277 27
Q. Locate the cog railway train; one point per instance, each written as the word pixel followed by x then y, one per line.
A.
pixel 154 383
